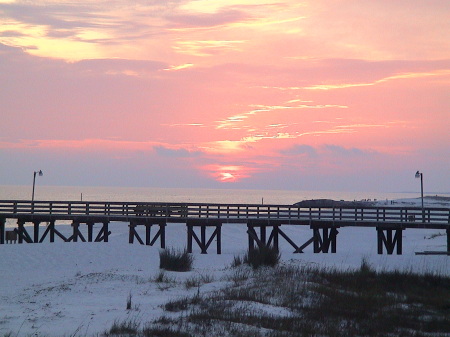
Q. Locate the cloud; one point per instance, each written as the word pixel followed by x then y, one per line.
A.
pixel 300 149
pixel 86 145
pixel 347 152
pixel 179 67
pixel 325 150
pixel 175 152
pixel 139 68
pixel 50 14
pixel 11 33
pixel 232 121
pixel 410 75
pixel 206 47
pixel 222 17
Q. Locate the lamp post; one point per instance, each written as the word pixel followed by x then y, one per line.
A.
pixel 420 175
pixel 34 182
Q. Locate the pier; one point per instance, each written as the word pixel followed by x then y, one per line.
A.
pixel 205 221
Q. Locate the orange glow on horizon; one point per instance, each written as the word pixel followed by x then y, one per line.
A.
pixel 228 173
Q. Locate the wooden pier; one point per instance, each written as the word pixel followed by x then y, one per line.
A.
pixel 205 222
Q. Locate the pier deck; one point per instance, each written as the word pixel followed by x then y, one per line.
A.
pixel 324 221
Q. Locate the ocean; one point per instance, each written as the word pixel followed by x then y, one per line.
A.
pixel 145 194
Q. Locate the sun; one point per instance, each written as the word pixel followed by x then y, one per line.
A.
pixel 227 173
pixel 227 177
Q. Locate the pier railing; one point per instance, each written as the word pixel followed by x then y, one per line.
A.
pixel 180 212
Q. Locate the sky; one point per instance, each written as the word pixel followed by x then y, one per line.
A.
pixel 261 94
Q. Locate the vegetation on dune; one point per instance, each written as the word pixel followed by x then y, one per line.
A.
pixel 175 260
pixel 287 301
pixel 258 257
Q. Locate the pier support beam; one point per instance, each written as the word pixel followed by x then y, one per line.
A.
pixel 22 232
pixel 76 233
pixel 90 226
pixel 389 238
pixel 322 242
pixel 52 231
pixel 448 240
pixel 263 240
pixel 36 225
pixel 102 235
pixel 24 236
pixel 202 242
pixel 149 241
pixel 2 231
pixel 51 228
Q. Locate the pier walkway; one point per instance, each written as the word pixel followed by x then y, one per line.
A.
pixel 204 222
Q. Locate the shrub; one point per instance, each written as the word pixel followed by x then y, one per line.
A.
pixel 237 261
pixel 129 301
pixel 317 302
pixel 197 281
pixel 262 256
pixel 127 327
pixel 182 303
pixel 175 260
pixel 366 267
pixel 163 332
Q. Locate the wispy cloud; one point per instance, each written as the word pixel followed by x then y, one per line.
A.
pixel 186 124
pixel 231 121
pixel 75 144
pixel 206 47
pixel 416 75
pixel 187 21
pixel 179 67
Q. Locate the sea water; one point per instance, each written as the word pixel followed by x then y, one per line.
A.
pixel 195 195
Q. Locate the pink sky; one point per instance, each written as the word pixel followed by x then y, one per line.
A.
pixel 320 95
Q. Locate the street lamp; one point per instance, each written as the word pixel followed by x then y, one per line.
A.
pixel 34 182
pixel 420 175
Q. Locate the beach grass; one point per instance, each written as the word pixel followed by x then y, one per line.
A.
pixel 305 301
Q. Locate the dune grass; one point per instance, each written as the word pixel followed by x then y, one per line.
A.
pixel 175 260
pixel 287 301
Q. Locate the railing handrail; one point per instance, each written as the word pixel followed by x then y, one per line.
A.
pixel 239 205
pixel 408 216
